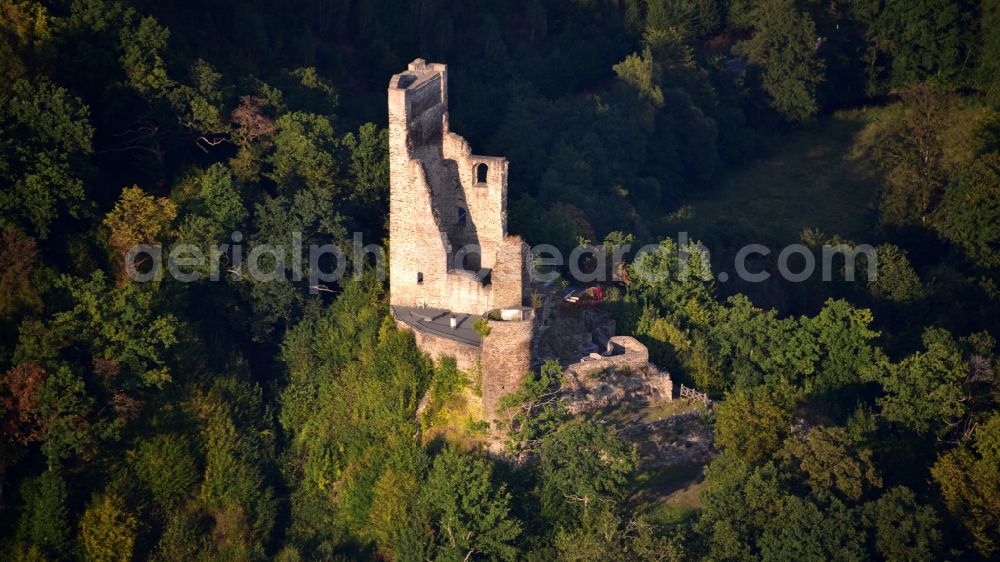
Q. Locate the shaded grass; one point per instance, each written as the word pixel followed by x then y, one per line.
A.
pixel 669 495
pixel 811 178
pixel 622 414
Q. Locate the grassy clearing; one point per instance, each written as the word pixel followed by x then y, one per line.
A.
pixel 812 178
pixel 670 495
pixel 621 414
pixel 665 513
pixel 675 407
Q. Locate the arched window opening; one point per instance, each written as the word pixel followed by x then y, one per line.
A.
pixel 471 261
pixel 463 217
pixel 420 278
pixel 481 171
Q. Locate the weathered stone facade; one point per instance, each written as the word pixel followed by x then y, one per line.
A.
pixel 506 358
pixel 623 353
pixel 466 356
pixel 444 199
pixel 622 373
pixel 449 251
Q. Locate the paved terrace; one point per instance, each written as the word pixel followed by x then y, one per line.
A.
pixel 437 321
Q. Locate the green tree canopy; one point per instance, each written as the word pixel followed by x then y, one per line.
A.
pixel 783 46
pixel 470 512
pixel 44 148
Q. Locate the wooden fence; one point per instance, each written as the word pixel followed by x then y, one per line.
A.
pixel 692 394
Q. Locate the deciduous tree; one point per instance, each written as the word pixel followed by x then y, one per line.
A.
pixel 470 512
pixel 107 530
pixel 783 48
pixel 44 149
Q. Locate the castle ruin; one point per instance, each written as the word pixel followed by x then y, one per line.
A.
pixel 457 279
pixel 451 260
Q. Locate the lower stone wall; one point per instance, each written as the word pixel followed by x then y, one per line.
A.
pixel 596 390
pixel 506 359
pixel 466 356
pixel 630 354
pixel 624 375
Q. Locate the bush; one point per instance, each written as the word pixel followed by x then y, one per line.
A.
pixel 536 300
pixel 482 326
pixel 447 380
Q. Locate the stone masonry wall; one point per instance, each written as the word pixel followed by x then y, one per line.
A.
pixel 484 202
pixel 418 250
pixel 415 269
pixel 510 275
pixel 631 355
pixel 506 359
pixel 466 356
pixel 437 205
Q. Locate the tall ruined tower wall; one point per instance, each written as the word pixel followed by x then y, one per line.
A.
pixel 416 240
pixel 443 198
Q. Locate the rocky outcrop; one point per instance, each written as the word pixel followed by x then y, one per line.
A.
pixel 611 385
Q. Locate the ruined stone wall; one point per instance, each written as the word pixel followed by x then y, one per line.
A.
pixel 485 202
pixel 629 354
pixel 418 250
pixel 510 275
pixel 506 359
pixel 627 377
pixel 466 356
pixel 419 100
pixel 466 293
pixel 437 205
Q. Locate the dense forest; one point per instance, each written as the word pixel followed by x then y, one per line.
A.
pixel 246 419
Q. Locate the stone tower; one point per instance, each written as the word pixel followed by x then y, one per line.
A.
pixel 451 260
